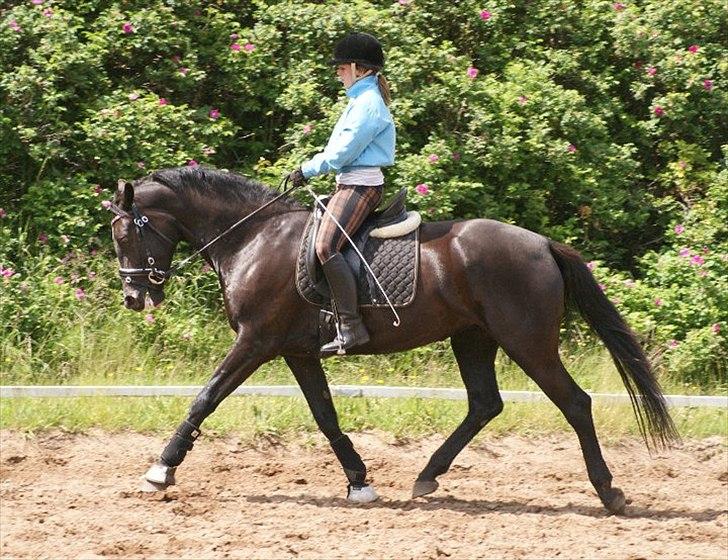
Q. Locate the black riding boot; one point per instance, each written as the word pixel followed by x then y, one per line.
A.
pixel 343 289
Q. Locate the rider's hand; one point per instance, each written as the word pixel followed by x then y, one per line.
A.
pixel 296 177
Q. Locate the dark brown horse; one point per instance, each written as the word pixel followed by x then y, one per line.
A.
pixel 482 283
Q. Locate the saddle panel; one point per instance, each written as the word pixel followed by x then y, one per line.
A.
pixel 395 262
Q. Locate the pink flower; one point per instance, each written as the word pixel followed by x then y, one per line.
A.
pixel 433 158
pixel 697 260
pixel 106 204
pixel 693 49
pixel 6 272
pixel 249 47
pixel 208 151
pixel 702 273
pixel 149 318
pixel 485 15
pixel 602 287
pixel 43 238
pixel 307 128
pixel 235 47
pixel 92 252
pixel 140 164
pixel 456 156
pixel 58 280
pixel 591 265
pixel 192 163
pixel 684 252
pixel 163 101
pixel 673 343
pixel 97 190
pixel 658 302
pixel 3 213
pixel 651 70
pixel 522 99
pixel 92 275
pixel 472 72
pixel 37 2
pixel 184 71
pixel 80 294
pixel 679 229
pixel 404 2
pixel 214 114
pixel 571 148
pixel 629 283
pixel 682 164
pixel 133 96
pixel 618 6
pixel 48 12
pixel 708 85
pixel 659 111
pixel 234 36
pixel 715 328
pixel 127 28
pixel 14 26
pixel 422 189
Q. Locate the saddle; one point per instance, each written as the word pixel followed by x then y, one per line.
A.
pixel 389 241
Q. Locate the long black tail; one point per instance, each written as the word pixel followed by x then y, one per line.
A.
pixel 648 402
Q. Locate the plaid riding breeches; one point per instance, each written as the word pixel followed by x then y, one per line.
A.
pixel 350 204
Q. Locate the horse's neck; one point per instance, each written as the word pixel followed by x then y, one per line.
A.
pixel 232 246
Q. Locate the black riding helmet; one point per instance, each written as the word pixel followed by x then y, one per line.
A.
pixel 360 48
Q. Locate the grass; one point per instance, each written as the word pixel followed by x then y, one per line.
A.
pixel 250 417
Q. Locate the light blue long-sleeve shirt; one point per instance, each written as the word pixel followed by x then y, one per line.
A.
pixel 364 135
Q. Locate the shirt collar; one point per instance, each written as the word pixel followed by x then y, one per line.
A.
pixel 361 86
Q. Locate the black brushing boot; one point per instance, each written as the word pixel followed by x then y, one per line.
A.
pixel 343 289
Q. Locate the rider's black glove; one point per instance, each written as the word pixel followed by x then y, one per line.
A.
pixel 297 178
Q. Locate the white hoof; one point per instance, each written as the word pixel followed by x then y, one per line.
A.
pixel 146 486
pixel 160 474
pixel 362 495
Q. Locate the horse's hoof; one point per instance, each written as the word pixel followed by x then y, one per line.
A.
pixel 362 495
pixel 424 487
pixel 147 486
pixel 161 474
pixel 615 501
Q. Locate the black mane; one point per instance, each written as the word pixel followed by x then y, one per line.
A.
pixel 225 185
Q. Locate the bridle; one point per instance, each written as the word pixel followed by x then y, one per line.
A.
pixel 151 277
pixel 156 277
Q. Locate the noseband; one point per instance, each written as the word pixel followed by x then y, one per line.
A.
pixel 150 277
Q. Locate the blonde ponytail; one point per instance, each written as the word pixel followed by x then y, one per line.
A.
pixel 384 89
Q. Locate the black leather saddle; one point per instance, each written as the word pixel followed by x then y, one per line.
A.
pixel 394 260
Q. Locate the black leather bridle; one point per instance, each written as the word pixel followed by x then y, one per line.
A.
pixel 149 277
pixel 153 278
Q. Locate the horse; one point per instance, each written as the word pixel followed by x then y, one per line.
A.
pixel 482 283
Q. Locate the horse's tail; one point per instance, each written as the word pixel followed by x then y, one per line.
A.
pixel 583 292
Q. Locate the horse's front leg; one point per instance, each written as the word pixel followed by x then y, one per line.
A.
pixel 242 360
pixel 311 378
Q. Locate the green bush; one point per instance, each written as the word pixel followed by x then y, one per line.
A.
pixel 601 125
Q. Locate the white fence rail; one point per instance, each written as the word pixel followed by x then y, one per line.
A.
pixel 376 391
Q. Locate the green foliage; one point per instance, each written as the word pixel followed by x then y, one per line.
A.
pixel 601 125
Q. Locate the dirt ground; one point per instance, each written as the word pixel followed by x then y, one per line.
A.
pixel 75 496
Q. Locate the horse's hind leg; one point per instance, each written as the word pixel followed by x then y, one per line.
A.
pixel 475 355
pixel 311 378
pixel 544 366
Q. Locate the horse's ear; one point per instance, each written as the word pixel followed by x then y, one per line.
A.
pixel 126 194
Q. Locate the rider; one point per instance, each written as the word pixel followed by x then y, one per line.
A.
pixel 361 143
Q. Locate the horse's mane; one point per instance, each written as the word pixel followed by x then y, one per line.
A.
pixel 224 185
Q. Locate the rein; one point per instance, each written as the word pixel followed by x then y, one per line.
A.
pixel 156 276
